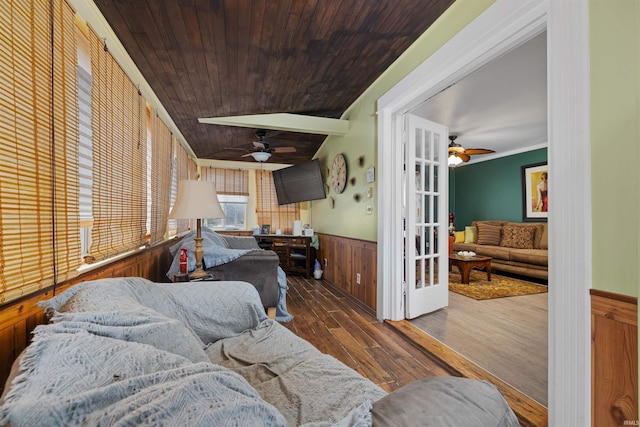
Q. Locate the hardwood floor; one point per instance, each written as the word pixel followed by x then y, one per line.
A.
pixel 505 336
pixel 390 354
pixel 336 325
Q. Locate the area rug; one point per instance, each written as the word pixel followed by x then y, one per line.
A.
pixel 480 288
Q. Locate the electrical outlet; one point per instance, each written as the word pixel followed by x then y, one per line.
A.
pixel 325 262
pixel 358 278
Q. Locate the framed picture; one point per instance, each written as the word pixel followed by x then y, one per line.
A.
pixel 535 199
pixel 266 229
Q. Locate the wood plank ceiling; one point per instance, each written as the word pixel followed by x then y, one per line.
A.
pixel 214 58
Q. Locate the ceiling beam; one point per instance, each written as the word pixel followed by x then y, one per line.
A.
pixel 284 121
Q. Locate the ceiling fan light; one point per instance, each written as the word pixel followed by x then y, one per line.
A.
pixel 454 160
pixel 261 156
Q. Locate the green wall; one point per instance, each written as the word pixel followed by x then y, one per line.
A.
pixel 491 189
pixel 349 217
pixel 615 140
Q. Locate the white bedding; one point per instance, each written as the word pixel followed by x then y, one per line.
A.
pixel 128 352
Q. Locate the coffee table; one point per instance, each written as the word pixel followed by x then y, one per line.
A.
pixel 465 264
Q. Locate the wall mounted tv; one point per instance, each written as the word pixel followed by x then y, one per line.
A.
pixel 299 183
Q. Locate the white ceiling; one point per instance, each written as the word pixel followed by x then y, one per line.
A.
pixel 501 106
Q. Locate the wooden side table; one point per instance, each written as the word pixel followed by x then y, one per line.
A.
pixel 214 275
pixel 465 265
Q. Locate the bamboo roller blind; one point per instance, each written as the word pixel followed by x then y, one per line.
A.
pixel 38 154
pixel 160 178
pixel 228 181
pixel 119 157
pixel 267 208
pixel 182 164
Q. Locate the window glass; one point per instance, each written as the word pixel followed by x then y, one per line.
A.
pixel 235 209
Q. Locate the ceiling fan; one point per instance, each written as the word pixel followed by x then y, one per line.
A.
pixel 459 154
pixel 263 152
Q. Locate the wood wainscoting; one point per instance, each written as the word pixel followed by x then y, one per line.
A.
pixel 19 318
pixel 614 359
pixel 345 259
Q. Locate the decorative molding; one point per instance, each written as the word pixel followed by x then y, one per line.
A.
pixel 570 218
pixel 503 26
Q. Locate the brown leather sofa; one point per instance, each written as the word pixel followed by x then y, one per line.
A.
pixel 515 247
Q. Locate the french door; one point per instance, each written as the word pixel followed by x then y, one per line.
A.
pixel 425 225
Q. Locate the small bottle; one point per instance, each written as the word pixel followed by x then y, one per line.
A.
pixel 183 260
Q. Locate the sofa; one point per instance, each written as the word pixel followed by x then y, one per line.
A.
pixel 127 351
pixel 239 258
pixel 515 247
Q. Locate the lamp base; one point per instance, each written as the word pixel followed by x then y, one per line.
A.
pixel 198 273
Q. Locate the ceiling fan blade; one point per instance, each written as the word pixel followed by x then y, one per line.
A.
pixel 478 151
pixel 464 157
pixel 284 149
pixel 247 155
pixel 456 148
pixel 259 144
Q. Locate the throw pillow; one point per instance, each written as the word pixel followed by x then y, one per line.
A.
pixel 470 234
pixel 489 234
pixel 459 237
pixel 517 237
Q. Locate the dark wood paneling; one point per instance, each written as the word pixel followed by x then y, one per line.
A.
pixel 19 318
pixel 614 359
pixel 345 259
pixel 223 58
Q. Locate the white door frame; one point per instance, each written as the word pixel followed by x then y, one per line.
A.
pixel 503 26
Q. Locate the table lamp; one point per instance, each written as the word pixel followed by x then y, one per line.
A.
pixel 197 200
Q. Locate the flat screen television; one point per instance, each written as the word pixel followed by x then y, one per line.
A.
pixel 299 183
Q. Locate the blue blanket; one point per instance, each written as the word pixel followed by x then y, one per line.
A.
pixel 217 252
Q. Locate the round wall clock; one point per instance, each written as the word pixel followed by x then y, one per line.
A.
pixel 339 173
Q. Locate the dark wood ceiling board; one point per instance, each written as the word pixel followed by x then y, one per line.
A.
pixel 212 58
pixel 253 77
pixel 262 88
pixel 283 24
pixel 195 52
pixel 186 31
pixel 211 81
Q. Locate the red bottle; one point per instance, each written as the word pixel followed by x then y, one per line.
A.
pixel 183 260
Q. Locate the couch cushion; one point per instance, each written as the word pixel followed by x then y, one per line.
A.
pixel 530 256
pixel 442 402
pixel 489 234
pixel 459 237
pixel 470 234
pixel 544 238
pixel 497 252
pixel 464 247
pixel 519 237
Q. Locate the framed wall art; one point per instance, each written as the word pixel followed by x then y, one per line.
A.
pixel 535 192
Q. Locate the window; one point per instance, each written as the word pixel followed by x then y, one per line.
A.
pixel 268 209
pixel 235 209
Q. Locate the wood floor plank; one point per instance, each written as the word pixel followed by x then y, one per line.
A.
pixel 391 354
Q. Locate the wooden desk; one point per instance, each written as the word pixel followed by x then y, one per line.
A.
pixel 295 252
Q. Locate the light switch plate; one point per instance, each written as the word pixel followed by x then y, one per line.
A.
pixel 371 174
pixel 369 209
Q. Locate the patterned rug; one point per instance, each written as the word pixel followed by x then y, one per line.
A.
pixel 499 286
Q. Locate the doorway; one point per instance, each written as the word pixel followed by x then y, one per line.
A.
pixel 501 106
pixel 502 26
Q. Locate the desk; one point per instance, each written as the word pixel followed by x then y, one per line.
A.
pixel 295 252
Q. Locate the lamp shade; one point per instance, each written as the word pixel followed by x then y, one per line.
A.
pixel 196 199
